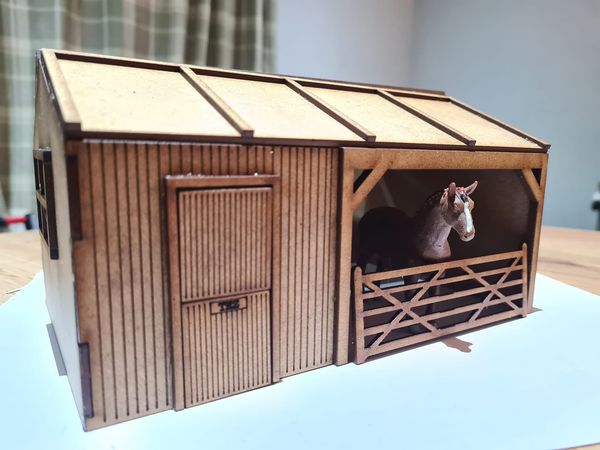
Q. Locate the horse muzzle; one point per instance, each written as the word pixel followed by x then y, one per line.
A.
pixel 466 237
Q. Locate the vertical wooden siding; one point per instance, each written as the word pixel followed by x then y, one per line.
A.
pixel 225 241
pixel 119 281
pixel 308 244
pixel 226 353
pixel 121 272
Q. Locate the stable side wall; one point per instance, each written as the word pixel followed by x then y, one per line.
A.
pixel 121 266
pixel 58 273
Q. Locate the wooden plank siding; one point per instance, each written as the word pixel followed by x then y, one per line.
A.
pixel 121 270
pixel 226 353
pixel 225 241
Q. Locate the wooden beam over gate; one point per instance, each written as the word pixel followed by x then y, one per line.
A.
pixel 534 187
pixel 369 183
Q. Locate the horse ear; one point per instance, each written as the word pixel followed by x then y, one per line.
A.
pixel 469 190
pixel 451 192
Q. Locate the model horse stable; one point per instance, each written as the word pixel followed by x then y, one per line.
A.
pixel 202 226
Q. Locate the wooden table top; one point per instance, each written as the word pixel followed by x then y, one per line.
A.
pixel 20 260
pixel 568 255
pixel 571 256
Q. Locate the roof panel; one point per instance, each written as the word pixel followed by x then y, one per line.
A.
pixel 274 110
pixel 139 100
pixel 483 131
pixel 115 97
pixel 388 122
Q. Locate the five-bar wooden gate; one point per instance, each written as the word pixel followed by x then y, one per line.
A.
pixel 399 308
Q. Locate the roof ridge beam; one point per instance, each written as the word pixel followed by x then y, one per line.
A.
pixel 217 102
pixel 233 73
pixel 358 129
pixel 465 139
pixel 501 124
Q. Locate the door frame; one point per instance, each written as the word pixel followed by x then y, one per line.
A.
pixel 176 183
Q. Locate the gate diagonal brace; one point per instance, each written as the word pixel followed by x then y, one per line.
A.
pixel 406 308
pixel 493 290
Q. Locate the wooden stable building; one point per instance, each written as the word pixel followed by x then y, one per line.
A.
pixel 198 224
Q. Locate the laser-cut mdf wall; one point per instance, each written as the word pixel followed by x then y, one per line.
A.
pixel 226 354
pixel 121 278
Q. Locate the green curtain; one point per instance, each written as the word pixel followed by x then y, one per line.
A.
pixel 236 34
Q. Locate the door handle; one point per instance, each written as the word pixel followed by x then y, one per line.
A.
pixel 224 306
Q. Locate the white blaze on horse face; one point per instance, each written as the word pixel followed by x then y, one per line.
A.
pixel 468 217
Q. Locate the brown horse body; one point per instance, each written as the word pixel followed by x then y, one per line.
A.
pixel 391 240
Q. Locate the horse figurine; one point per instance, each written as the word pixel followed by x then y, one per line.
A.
pixel 395 241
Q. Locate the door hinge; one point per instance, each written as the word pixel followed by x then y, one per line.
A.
pixel 86 379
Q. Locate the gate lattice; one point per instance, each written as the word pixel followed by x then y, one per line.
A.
pixel 392 317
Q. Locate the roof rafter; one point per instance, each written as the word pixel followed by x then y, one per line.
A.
pixel 364 133
pixel 501 124
pixel 217 102
pixel 427 118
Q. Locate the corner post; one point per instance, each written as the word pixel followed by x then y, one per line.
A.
pixel 342 306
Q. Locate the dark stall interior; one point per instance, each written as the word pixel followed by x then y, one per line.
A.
pixel 504 218
pixel 503 215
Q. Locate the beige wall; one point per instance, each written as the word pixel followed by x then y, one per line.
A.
pixel 354 40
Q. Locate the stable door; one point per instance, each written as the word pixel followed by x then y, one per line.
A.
pixel 220 236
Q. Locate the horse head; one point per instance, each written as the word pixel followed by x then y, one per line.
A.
pixel 456 208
